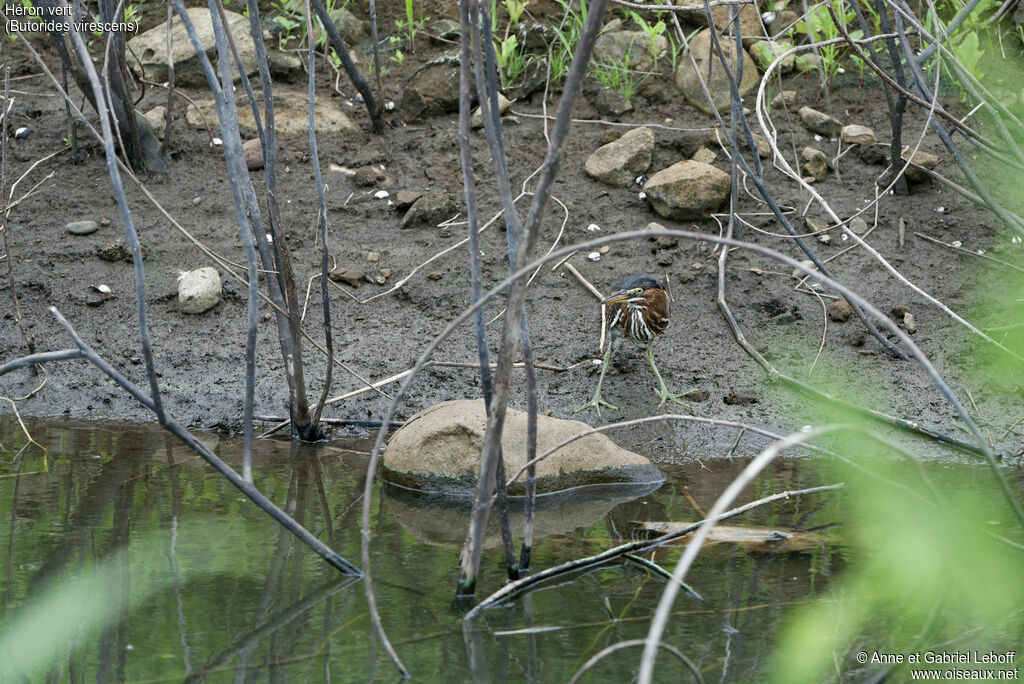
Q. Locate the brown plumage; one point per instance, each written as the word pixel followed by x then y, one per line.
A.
pixel 642 313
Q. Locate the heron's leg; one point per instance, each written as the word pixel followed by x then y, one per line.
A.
pixel 597 402
pixel 662 391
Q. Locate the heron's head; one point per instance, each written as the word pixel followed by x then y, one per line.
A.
pixel 634 289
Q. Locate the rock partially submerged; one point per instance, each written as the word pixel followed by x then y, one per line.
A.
pixel 438 451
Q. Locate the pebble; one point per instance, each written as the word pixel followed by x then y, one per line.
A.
pixel 382 194
pixel 104 221
pixel 349 276
pixel 434 275
pixel 594 256
pixel 199 290
pixel 82 227
pixel 21 133
pixel 824 238
pixel 253 152
pixel 605 249
pixel 910 323
pixel 373 257
pixel 858 225
pixel 385 273
pixel 840 310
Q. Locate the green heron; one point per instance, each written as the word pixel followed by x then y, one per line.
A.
pixel 643 315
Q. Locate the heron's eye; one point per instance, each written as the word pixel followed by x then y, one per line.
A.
pixel 636 291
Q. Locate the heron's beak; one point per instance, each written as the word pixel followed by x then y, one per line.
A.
pixel 616 297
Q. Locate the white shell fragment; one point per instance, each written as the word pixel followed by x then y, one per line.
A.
pixel 594 256
pixel 382 194
pixel 593 228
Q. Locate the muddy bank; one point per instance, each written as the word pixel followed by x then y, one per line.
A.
pixel 200 358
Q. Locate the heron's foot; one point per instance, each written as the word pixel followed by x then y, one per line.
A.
pixel 596 403
pixel 664 395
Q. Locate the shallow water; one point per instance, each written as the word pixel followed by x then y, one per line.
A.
pixel 169 573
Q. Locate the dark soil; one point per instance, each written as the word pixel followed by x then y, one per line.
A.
pixel 200 358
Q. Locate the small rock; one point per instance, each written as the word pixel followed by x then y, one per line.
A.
pixel 118 251
pixel 21 133
pixel 157 120
pixel 610 102
pixel 434 275
pixel 910 323
pixel 431 209
pixel 819 122
pixel 349 276
pixel 373 257
pixel 697 395
pixel 814 163
pixel 825 238
pixel 787 98
pixel 82 227
pixel 620 161
pixel 199 290
pixel 367 176
pixel 594 256
pixel 840 311
pixel 104 221
pixel 765 52
pixel 284 66
pixel 477 119
pixel 858 225
pixel 925 159
pixel 764 150
pixel 853 134
pixel 385 273
pixel 807 263
pixel 704 155
pixel 406 198
pixel 604 249
pixel 662 241
pixel 687 190
pixel 253 154
pixel 743 397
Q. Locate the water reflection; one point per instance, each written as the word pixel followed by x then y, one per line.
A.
pixel 196 583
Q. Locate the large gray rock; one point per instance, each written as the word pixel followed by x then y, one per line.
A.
pixel 621 161
pixel 199 290
pixel 629 48
pixel 147 52
pixel 687 190
pixel 438 450
pixel 707 62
